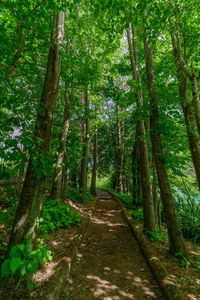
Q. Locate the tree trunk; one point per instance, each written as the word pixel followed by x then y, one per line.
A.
pixel 65 176
pixel 181 64
pixel 135 174
pixel 188 114
pixel 174 231
pixel 58 170
pixel 155 190
pixel 31 200
pixel 84 161
pixel 95 163
pixel 119 153
pixel 148 210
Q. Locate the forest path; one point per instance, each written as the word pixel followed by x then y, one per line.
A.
pixel 110 263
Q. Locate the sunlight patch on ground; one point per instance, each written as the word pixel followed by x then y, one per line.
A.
pixel 46 273
pixel 192 297
pixel 103 287
pixel 100 221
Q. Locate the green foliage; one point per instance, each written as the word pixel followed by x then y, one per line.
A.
pixel 198 260
pixel 137 214
pixel 23 262
pixel 158 235
pixel 75 195
pixel 189 218
pixel 7 215
pixel 126 199
pixel 56 214
pixel 183 260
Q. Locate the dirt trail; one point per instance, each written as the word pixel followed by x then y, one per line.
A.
pixel 110 264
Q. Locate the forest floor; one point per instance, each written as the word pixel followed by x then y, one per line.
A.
pixel 110 264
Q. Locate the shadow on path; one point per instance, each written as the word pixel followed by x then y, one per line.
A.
pixel 110 264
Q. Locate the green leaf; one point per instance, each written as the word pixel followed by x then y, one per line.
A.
pixel 5 270
pixel 14 264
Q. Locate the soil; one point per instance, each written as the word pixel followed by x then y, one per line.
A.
pixel 110 263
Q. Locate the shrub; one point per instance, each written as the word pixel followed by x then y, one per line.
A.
pixel 23 262
pixel 189 217
pixel 75 195
pixel 126 199
pixel 56 214
pixel 137 214
pixel 158 235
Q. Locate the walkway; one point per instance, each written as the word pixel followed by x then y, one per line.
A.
pixel 110 263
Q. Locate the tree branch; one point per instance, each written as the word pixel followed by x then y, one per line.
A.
pixel 33 10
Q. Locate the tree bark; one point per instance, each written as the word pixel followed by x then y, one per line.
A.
pixel 148 210
pixel 84 161
pixel 95 163
pixel 174 231
pixel 119 153
pixel 154 188
pixel 58 170
pixel 31 200
pixel 181 64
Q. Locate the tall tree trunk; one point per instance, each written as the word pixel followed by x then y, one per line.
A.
pixel 123 157
pixel 148 208
pixel 193 138
pixel 95 163
pixel 116 153
pixel 65 176
pixel 174 231
pixel 31 200
pixel 84 161
pixel 58 170
pixel 135 171
pixel 176 41
pixel 119 151
pixel 154 188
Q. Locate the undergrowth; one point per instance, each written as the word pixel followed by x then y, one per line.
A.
pixel 126 199
pixel 23 262
pixel 189 218
pixel 56 214
pixel 75 195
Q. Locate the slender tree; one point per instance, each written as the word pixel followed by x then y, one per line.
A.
pixel 58 170
pixel 148 208
pixel 174 231
pixel 85 148
pixel 31 200
pixel 95 162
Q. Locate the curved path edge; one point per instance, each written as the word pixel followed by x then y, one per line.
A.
pixel 59 279
pixel 170 291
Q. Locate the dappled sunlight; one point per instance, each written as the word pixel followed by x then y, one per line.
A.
pixel 192 297
pixel 107 223
pixel 103 286
pixel 46 273
pixel 172 280
pixel 111 265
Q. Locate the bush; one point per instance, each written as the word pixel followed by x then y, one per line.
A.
pixel 23 262
pixel 75 195
pixel 56 214
pixel 127 200
pixel 189 217
pixel 137 214
pixel 158 235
